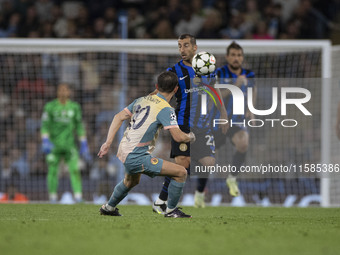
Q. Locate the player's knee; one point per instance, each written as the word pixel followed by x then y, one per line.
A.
pixel 182 174
pixel 135 182
pixel 130 183
pixel 207 161
pixel 183 161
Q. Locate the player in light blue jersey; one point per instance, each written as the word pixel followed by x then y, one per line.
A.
pixel 147 116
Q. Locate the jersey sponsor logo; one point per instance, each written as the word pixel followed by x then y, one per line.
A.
pixel 62 119
pixel 183 147
pixel 63 116
pixel 197 89
pixel 154 161
pixel 70 113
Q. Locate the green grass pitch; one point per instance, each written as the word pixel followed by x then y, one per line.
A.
pixel 79 229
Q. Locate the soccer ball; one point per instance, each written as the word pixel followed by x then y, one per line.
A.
pixel 204 63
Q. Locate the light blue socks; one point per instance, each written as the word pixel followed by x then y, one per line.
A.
pixel 174 193
pixel 119 193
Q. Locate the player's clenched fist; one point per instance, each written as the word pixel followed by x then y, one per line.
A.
pixel 241 80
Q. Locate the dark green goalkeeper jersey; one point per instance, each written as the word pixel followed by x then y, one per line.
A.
pixel 61 121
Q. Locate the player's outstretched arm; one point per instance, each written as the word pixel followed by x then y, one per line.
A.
pixel 114 127
pixel 181 137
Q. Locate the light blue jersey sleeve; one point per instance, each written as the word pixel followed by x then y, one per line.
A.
pixel 129 108
pixel 167 117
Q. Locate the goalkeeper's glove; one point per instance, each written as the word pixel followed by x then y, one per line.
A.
pixel 47 145
pixel 84 150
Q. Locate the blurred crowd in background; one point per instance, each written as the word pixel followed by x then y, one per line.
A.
pixel 28 81
pixel 233 19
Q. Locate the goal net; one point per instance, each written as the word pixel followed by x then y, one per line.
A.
pixel 332 183
pixel 106 75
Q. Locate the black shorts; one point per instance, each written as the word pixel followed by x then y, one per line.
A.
pixel 221 139
pixel 203 146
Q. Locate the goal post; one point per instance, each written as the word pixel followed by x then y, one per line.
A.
pixel 169 46
pixel 107 74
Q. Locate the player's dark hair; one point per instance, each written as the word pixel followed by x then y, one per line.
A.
pixel 192 38
pixel 167 81
pixel 235 46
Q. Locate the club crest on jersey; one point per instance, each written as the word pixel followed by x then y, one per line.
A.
pixel 183 147
pixel 154 161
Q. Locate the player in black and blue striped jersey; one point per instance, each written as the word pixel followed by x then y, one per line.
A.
pixel 233 73
pixel 189 118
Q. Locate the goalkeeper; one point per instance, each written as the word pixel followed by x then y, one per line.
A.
pixel 60 120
